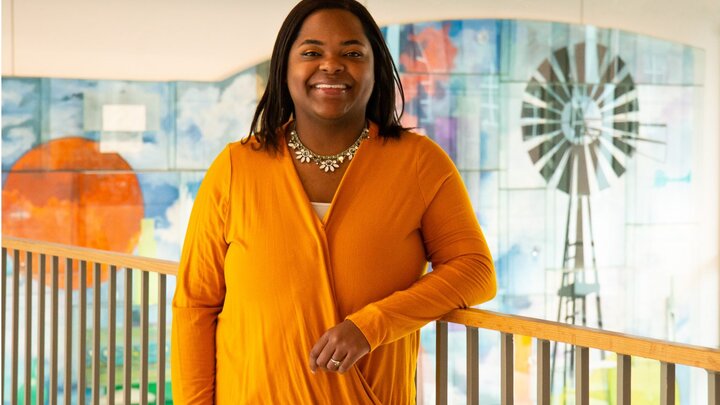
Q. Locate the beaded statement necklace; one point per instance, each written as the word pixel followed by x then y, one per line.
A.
pixel 327 163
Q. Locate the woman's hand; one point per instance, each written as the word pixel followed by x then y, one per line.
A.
pixel 339 348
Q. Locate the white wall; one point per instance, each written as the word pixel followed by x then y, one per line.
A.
pixel 137 39
pixel 190 40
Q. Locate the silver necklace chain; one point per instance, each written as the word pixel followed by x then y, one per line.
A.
pixel 327 163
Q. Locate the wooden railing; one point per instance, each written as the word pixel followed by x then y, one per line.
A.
pixel 625 346
pixel 25 254
pixel 44 262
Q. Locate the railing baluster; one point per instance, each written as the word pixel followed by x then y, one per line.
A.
pixel 67 388
pixel 543 372
pixel 582 375
pixel 15 327
pixel 28 327
pixel 127 374
pixel 667 383
pixel 441 363
pixel 144 328
pixel 506 369
pixel 82 332
pixel 54 343
pixel 473 366
pixel 713 388
pixel 41 332
pixel 112 304
pixel 160 391
pixel 624 372
pixel 96 335
pixel 3 286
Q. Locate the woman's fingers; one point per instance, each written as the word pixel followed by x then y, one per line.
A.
pixel 325 355
pixel 339 348
pixel 336 360
pixel 350 361
pixel 329 356
pixel 316 351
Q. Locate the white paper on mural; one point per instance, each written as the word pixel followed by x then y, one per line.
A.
pixel 124 117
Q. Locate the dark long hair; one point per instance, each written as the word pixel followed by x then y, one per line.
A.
pixel 276 107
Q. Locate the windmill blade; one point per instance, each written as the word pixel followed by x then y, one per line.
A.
pixel 558 174
pixel 530 110
pixel 557 88
pixel 615 66
pixel 568 173
pixel 547 147
pixel 541 91
pixel 578 65
pixel 614 156
pixel 533 96
pixel 600 177
pixel 554 161
pixel 560 61
pixel 624 103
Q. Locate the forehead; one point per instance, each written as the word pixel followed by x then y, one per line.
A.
pixel 331 25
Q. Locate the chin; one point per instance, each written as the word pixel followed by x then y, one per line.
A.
pixel 333 115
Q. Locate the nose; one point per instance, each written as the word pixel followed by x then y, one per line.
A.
pixel 331 65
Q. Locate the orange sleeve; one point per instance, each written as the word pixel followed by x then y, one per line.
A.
pixel 200 290
pixel 463 272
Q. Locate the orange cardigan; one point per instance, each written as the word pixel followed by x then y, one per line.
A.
pixel 262 278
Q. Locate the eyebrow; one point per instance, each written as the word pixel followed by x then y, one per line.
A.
pixel 318 42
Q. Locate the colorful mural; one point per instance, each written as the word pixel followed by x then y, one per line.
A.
pixel 516 104
pixel 67 191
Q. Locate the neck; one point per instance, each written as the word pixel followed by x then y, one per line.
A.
pixel 328 138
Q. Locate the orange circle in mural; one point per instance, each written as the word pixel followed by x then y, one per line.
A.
pixel 67 191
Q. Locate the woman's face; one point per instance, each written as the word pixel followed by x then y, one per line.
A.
pixel 330 68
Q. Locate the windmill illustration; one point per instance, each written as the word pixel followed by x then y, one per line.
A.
pixel 580 127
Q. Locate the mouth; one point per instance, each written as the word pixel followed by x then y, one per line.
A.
pixel 327 86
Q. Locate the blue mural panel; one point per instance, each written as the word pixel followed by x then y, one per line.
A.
pixel 210 115
pixel 63 107
pixel 167 210
pixel 21 119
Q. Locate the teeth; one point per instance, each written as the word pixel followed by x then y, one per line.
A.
pixel 330 86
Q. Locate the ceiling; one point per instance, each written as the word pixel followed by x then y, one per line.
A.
pixel 164 40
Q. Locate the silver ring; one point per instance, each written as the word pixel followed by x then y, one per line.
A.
pixel 335 362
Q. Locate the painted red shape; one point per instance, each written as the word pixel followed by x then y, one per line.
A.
pixel 67 191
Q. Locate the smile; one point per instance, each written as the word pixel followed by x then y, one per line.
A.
pixel 331 86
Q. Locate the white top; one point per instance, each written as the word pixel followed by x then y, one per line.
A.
pixel 321 209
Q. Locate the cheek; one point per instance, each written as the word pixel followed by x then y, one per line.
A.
pixel 294 76
pixel 370 76
pixel 294 84
pixel 291 80
pixel 370 83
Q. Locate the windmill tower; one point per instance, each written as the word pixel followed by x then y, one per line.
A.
pixel 580 126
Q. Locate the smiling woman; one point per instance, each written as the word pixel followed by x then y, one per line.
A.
pixel 307 286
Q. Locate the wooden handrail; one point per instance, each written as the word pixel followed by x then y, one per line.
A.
pixel 669 352
pixel 120 260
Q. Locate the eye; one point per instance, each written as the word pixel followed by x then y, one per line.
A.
pixel 310 54
pixel 354 54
